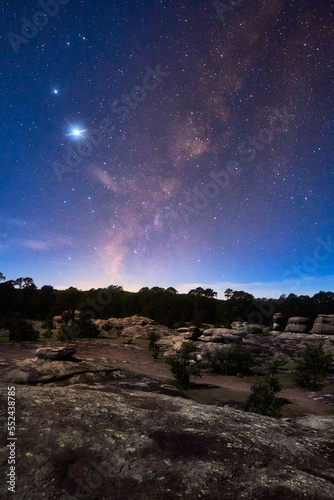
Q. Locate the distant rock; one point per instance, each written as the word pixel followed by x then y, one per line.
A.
pixel 298 324
pixel 222 336
pixel 324 324
pixel 191 332
pixel 239 325
pixel 55 353
pixel 279 322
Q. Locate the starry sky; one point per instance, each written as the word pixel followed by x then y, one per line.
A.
pixel 168 143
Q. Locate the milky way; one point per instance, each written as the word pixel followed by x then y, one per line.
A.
pixel 168 143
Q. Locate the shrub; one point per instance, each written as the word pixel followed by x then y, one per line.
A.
pixel 20 330
pixel 311 366
pixel 85 328
pixel 183 364
pixel 128 341
pixel 255 330
pixel 231 361
pixel 48 323
pixel 275 365
pixel 152 339
pixel 262 399
pixel 156 352
pixel 48 333
pixel 107 327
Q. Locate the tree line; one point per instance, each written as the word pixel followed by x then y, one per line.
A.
pixel 22 299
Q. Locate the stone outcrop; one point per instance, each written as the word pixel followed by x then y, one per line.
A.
pixel 298 324
pixel 222 336
pixel 134 327
pixel 191 332
pixel 279 322
pixel 136 438
pixel 324 324
pixel 55 353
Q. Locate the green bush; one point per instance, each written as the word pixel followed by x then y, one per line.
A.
pixel 48 333
pixel 255 330
pixel 128 341
pixel 275 365
pixel 156 352
pixel 48 323
pixel 311 366
pixel 152 339
pixel 262 399
pixel 182 363
pixel 20 330
pixel 233 360
pixel 107 327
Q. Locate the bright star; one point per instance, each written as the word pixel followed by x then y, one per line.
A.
pixel 77 133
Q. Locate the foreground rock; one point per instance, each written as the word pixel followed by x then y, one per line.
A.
pixel 46 371
pixel 55 353
pixel 126 441
pixel 324 324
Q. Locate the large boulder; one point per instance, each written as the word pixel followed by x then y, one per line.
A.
pixel 55 353
pixel 222 336
pixel 190 332
pixel 279 322
pixel 324 324
pixel 133 440
pixel 239 325
pixel 298 324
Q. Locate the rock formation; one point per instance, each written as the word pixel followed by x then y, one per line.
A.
pixel 55 353
pixel 324 324
pixel 135 439
pixel 279 322
pixel 298 324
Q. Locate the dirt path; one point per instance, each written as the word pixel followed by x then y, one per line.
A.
pixel 140 361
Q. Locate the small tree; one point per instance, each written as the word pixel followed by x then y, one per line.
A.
pixel 20 330
pixel 152 339
pixel 86 329
pixel 262 399
pixel 311 366
pixel 231 361
pixel 183 364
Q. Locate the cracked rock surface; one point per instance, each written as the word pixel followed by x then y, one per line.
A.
pixel 89 430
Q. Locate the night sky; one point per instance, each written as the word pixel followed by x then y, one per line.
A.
pixel 168 143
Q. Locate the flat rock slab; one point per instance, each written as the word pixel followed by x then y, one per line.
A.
pixel 132 443
pixel 55 353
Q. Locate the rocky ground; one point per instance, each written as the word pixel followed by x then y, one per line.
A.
pixel 108 426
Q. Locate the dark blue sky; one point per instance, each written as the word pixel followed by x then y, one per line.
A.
pixel 168 143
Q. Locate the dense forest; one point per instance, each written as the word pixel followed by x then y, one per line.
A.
pixel 21 299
